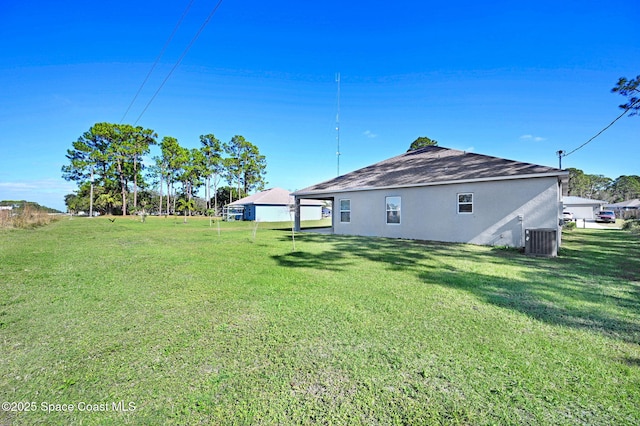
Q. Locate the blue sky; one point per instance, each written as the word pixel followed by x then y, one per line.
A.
pixel 518 80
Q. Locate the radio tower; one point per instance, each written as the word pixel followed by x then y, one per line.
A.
pixel 338 126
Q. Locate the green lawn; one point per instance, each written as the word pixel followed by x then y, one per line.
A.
pixel 187 324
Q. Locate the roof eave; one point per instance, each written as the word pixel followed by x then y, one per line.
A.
pixel 563 175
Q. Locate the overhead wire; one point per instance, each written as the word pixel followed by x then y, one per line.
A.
pixel 155 63
pixel 601 131
pixel 177 63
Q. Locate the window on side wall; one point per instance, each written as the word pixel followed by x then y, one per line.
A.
pixel 465 203
pixel 393 210
pixel 345 211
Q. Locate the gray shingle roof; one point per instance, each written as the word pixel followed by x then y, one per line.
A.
pixel 572 199
pixel 428 166
pixel 273 196
pixel 628 204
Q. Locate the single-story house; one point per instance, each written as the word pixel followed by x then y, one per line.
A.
pixel 442 194
pixel 582 208
pixel 624 205
pixel 273 205
pixel 625 209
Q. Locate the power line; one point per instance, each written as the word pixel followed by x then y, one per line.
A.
pixel 164 48
pixel 184 53
pixel 562 154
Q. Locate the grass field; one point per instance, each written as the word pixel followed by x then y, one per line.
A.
pixel 170 323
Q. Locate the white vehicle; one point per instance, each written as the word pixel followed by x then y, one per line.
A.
pixel 567 216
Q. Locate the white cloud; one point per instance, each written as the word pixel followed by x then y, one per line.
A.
pixel 46 192
pixel 532 138
pixel 15 186
pixel 42 185
pixel 370 134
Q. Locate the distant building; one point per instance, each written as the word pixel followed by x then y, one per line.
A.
pixel 624 205
pixel 625 209
pixel 582 208
pixel 271 205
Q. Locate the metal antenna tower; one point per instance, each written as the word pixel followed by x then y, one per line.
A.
pixel 338 126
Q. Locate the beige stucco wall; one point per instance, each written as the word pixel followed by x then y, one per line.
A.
pixel 430 212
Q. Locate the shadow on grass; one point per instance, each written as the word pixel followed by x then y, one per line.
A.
pixel 327 261
pixel 632 362
pixel 594 284
pixel 396 254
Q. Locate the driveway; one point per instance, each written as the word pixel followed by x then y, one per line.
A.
pixel 592 224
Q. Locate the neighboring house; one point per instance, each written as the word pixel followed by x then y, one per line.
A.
pixel 625 209
pixel 624 205
pixel 273 205
pixel 6 208
pixel 442 194
pixel 582 208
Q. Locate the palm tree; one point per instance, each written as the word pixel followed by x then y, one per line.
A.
pixel 107 201
pixel 184 205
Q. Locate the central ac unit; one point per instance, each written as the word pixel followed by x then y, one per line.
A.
pixel 541 242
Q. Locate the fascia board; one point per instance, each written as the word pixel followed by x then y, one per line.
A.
pixel 448 182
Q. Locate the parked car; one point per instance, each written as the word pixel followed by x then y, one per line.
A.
pixel 567 216
pixel 606 216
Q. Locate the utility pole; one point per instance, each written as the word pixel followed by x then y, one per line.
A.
pixel 560 154
pixel 338 126
pixel 91 195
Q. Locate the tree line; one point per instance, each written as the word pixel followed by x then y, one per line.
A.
pixel 107 163
pixel 599 187
pixel 21 205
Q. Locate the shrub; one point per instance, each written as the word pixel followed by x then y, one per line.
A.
pixel 5 218
pixel 632 225
pixel 25 217
pixel 569 226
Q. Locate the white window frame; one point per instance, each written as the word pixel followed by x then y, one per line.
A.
pixel 341 211
pixel 387 210
pixel 464 203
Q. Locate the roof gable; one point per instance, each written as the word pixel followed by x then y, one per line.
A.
pixel 269 196
pixel 571 199
pixel 272 196
pixel 431 165
pixel 629 203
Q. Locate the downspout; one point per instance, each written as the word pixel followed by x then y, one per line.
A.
pixel 521 220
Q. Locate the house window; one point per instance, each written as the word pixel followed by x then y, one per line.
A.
pixel 345 211
pixel 465 203
pixel 393 209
